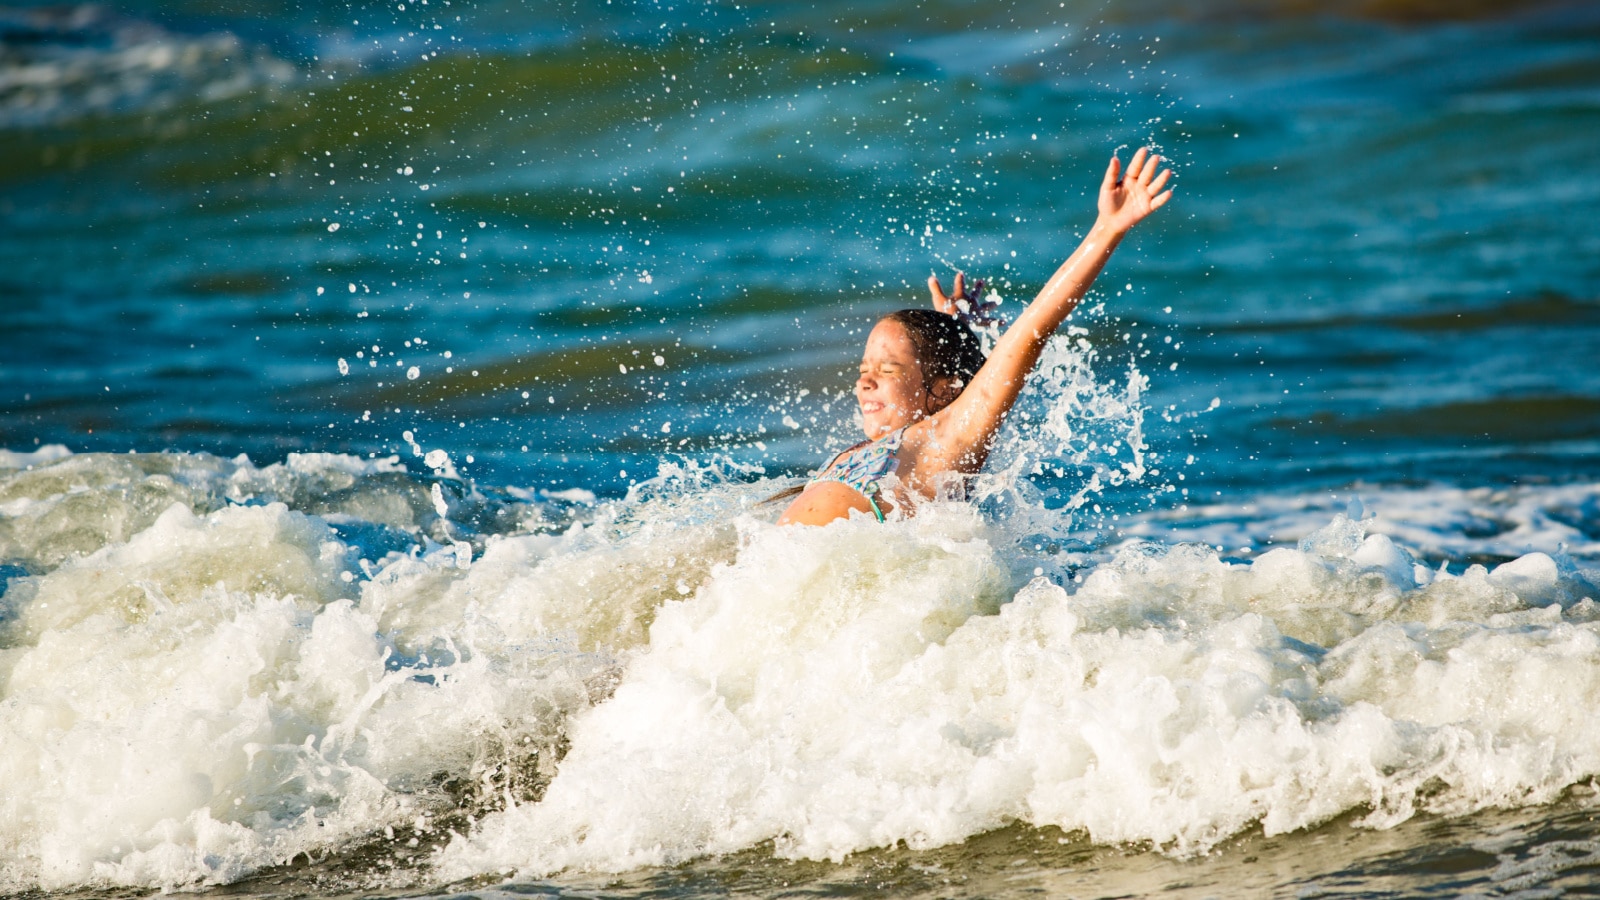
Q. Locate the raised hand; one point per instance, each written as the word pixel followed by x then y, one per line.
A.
pixel 974 310
pixel 1127 197
pixel 942 302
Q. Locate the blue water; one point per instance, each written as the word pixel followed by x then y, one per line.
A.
pixel 1377 261
pixel 477 227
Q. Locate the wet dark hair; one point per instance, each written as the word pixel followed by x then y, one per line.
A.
pixel 945 347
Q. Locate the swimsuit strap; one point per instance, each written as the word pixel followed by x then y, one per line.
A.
pixel 861 466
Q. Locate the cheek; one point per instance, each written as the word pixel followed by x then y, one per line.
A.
pixel 908 391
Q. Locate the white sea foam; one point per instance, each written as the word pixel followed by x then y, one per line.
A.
pixel 1439 521
pixel 192 696
pixel 830 693
pixel 61 63
pixel 15 459
pixel 237 664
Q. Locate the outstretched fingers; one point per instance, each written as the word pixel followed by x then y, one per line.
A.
pixel 1160 180
pixel 941 302
pixel 1150 169
pixel 1113 174
pixel 1137 164
pixel 1159 199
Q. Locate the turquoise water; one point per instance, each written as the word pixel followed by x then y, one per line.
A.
pixel 1377 265
pixel 606 257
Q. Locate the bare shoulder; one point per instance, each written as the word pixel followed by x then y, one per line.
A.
pixel 822 502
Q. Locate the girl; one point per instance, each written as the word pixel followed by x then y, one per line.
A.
pixel 930 402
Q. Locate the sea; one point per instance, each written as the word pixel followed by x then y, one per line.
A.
pixel 393 395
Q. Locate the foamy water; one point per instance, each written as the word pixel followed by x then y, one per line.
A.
pixel 62 63
pixel 1281 581
pixel 211 668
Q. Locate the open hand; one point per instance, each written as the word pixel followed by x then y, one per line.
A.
pixel 1127 197
pixel 974 310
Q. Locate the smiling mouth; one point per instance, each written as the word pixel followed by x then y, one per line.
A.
pixel 871 406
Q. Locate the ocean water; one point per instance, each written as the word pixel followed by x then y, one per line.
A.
pixel 390 394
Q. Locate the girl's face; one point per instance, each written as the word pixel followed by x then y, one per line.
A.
pixel 890 388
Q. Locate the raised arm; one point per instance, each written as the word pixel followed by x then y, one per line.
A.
pixel 962 432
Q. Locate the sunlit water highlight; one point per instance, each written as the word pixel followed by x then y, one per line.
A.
pixel 1282 579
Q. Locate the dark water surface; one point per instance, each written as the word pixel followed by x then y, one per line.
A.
pixel 562 244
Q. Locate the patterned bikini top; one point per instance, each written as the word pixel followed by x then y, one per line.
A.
pixel 863 465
